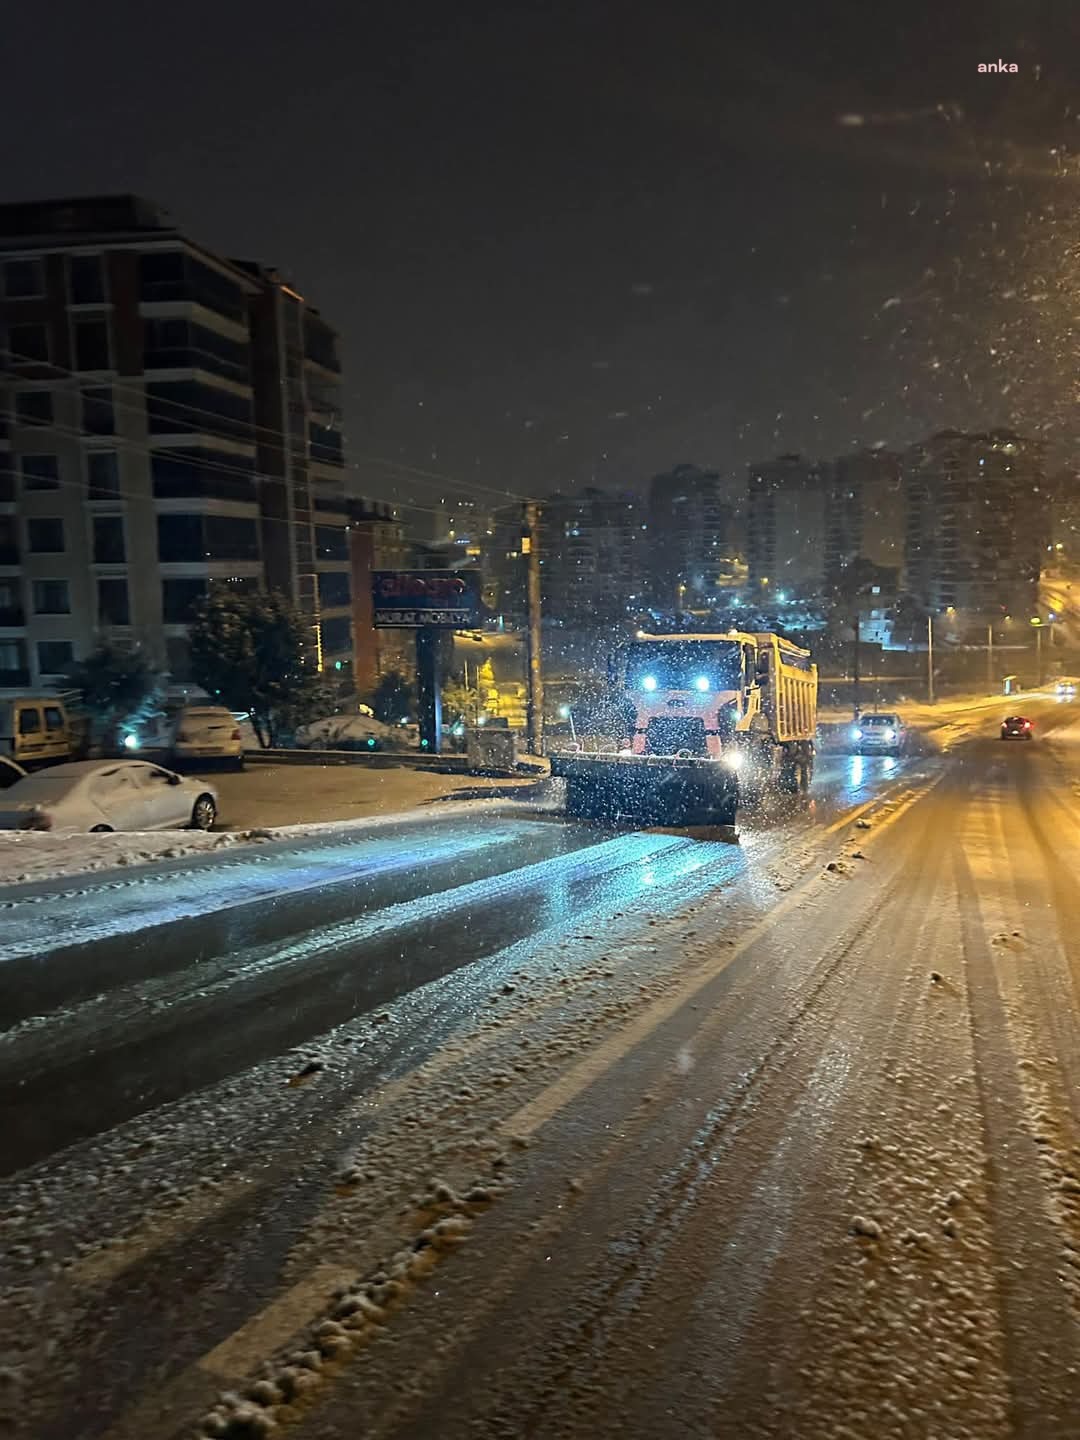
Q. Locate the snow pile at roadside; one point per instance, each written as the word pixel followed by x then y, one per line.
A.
pixel 29 855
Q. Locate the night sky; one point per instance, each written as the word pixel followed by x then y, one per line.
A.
pixel 579 243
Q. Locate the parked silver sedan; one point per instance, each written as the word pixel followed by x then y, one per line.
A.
pixel 101 795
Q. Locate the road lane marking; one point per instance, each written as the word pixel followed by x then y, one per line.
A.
pixel 851 816
pixel 544 1107
pixel 269 1329
pixel 285 1318
pixel 103 1266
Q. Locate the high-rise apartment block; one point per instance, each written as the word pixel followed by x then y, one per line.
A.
pixel 786 525
pixel 168 419
pixel 691 539
pixel 978 522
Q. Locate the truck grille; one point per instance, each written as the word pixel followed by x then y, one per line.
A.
pixel 667 735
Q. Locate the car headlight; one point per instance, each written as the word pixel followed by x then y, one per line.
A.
pixel 890 734
pixel 701 683
pixel 733 759
pixel 856 733
pixel 131 742
pixel 648 682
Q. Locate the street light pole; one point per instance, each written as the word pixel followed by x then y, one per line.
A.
pixel 535 690
pixel 855 670
pixel 1038 656
pixel 930 658
pixel 990 658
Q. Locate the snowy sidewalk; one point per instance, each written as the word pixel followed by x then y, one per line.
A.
pixel 319 803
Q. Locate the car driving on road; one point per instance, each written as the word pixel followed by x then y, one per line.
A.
pixel 1017 727
pixel 879 734
pixel 101 795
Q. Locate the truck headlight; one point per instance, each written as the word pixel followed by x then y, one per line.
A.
pixel 890 734
pixel 733 759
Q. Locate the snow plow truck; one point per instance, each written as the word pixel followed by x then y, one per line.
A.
pixel 717 721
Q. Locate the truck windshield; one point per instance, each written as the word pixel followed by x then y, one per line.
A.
pixel 684 665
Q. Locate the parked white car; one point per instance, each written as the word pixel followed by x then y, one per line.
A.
pixel 10 772
pixel 207 732
pixel 89 795
pixel 350 732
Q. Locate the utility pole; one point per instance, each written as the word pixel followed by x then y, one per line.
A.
pixel 930 658
pixel 530 545
pixel 855 669
pixel 990 658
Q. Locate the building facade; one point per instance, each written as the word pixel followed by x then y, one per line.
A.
pixel 691 538
pixel 978 523
pixel 592 552
pixel 865 512
pixel 786 525
pixel 378 540
pixel 168 420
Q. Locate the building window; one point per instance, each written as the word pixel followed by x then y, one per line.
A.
pixel 98 417
pixel 113 604
pixel 183 474
pixel 331 542
pixel 29 344
pixel 336 635
pixel 11 611
pixel 9 540
pixel 180 539
pixel 92 344
pixel 34 407
pixel 40 472
pixel 24 279
pixel 51 597
pixel 161 275
pixel 102 475
pixel 179 599
pixel 334 589
pixel 109 546
pixel 231 537
pixel 13 663
pixel 54 656
pixel 86 280
pixel 46 536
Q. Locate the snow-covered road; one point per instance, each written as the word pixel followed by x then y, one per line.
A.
pixel 772 1141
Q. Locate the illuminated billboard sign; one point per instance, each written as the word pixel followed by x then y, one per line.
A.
pixel 409 599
